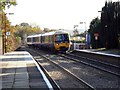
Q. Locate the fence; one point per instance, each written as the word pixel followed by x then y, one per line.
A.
pixel 74 46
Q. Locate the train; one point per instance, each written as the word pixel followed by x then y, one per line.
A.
pixel 56 41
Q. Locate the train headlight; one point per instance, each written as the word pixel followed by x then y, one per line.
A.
pixel 57 44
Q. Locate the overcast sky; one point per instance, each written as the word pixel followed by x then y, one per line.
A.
pixel 56 14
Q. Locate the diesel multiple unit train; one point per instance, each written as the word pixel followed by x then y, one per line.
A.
pixel 56 41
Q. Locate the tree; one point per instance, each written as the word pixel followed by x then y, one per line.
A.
pixel 24 29
pixel 75 32
pixel 8 3
pixel 110 21
pixel 11 40
pixel 95 28
pixel 5 25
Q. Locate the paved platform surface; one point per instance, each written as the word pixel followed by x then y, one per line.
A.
pixel 113 53
pixel 19 71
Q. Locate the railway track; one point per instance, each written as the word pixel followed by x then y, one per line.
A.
pixel 92 76
pixel 110 59
pixel 106 67
pixel 72 82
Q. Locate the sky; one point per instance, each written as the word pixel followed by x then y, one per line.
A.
pixel 56 14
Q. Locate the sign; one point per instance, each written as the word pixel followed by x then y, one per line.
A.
pixel 7 33
pixel 96 34
pixel 96 37
pixel 88 38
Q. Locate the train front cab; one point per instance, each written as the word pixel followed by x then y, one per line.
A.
pixel 61 42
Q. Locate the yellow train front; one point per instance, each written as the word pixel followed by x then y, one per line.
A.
pixel 57 41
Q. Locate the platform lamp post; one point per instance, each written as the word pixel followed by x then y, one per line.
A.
pixel 5 34
pixel 75 33
pixel 85 28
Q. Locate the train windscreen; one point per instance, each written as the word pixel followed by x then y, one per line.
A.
pixel 62 37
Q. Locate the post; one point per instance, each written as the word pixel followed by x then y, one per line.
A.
pixel 1 44
pixel 5 35
pixel 96 38
pixel 1 36
pixel 74 44
pixel 85 30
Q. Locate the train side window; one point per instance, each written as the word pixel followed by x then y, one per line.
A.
pixel 45 39
pixel 33 39
pixel 50 39
pixel 37 39
pixel 40 39
pixel 29 39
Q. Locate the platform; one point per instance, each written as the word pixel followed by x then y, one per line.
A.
pixel 95 51
pixel 18 70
